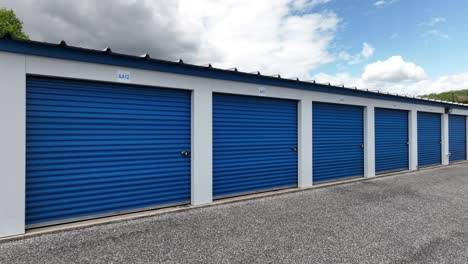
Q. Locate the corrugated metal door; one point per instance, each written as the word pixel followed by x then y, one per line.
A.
pixel 338 141
pixel 391 140
pixel 457 137
pixel 429 139
pixel 95 149
pixel 254 144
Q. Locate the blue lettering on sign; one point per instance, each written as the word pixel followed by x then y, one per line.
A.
pixel 124 76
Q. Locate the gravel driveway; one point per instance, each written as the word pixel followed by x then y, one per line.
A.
pixel 414 218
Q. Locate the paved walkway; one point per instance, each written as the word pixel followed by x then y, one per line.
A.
pixel 414 218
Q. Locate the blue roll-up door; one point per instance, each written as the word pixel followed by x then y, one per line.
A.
pixel 94 149
pixel 391 140
pixel 254 141
pixel 457 137
pixel 338 140
pixel 429 139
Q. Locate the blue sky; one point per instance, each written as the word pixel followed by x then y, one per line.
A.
pixel 402 46
pixel 431 33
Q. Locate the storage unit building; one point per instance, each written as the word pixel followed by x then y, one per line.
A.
pixel 88 133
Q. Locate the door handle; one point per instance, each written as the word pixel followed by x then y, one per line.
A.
pixel 185 153
pixel 294 149
pixel 362 146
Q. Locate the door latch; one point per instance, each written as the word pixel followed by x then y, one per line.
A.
pixel 185 153
pixel 362 146
pixel 294 149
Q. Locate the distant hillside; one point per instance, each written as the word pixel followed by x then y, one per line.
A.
pixel 455 96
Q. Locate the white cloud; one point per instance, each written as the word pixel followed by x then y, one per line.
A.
pixel 427 86
pixel 431 29
pixel 436 33
pixel 273 36
pixel 366 52
pixel 339 79
pixel 394 70
pixel 435 85
pixel 381 3
pixel 262 35
pixel 308 4
pixel 395 75
pixel 435 20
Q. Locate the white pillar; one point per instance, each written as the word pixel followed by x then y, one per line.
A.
pixel 369 141
pixel 304 143
pixel 413 139
pixel 445 139
pixel 12 144
pixel 202 164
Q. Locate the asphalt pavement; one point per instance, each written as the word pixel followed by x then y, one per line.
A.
pixel 419 217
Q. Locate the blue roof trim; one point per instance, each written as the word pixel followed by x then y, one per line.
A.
pixel 63 51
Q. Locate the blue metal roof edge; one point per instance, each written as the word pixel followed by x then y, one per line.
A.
pixel 63 51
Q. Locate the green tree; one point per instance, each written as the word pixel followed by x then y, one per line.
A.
pixel 10 23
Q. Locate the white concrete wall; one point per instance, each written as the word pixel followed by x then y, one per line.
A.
pixel 369 141
pixel 98 72
pixel 445 139
pixel 413 139
pixel 12 143
pixel 305 143
pixel 12 105
pixel 202 156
